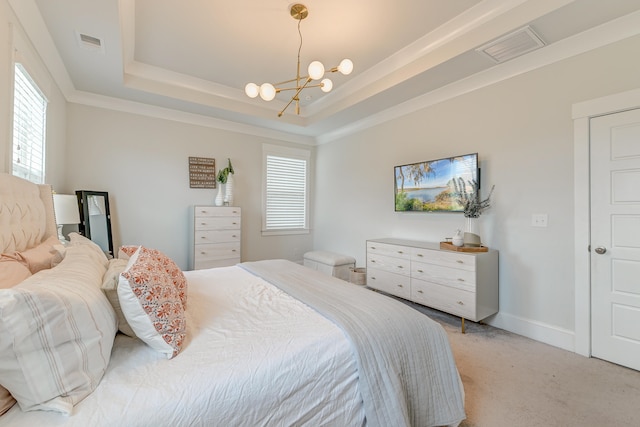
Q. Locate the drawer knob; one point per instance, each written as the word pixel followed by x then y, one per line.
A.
pixel 373 247
pixel 235 211
pixel 202 237
pixel 420 255
pixel 203 223
pixel 460 302
pixel 203 253
pixel 373 260
pixel 460 280
pixel 420 271
pixel 400 286
pixel 400 252
pixel 460 261
pixel 420 292
pixel 373 277
pixel 400 266
pixel 233 250
pixel 234 235
pixel 235 223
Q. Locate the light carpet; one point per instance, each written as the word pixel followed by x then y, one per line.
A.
pixel 513 381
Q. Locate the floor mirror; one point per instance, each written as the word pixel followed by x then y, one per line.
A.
pixel 95 218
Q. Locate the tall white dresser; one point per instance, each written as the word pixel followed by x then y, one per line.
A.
pixel 464 284
pixel 217 232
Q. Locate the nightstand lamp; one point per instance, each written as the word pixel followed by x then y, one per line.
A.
pixel 66 210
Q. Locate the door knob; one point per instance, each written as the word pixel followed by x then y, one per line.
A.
pixel 600 250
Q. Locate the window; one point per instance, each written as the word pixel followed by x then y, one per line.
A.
pixel 285 190
pixel 29 119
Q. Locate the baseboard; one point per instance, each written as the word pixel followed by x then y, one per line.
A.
pixel 548 334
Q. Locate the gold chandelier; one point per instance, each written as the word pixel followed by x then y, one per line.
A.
pixel 316 71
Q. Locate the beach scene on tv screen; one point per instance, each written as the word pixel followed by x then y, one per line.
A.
pixel 429 186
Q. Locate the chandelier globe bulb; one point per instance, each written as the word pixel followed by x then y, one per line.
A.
pixel 346 66
pixel 327 85
pixel 252 90
pixel 267 91
pixel 316 70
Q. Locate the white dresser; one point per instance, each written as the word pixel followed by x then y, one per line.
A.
pixel 461 283
pixel 216 241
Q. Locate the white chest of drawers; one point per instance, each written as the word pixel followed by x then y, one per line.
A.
pixel 463 284
pixel 217 232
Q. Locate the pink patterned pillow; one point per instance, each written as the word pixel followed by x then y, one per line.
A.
pixel 176 274
pixel 151 304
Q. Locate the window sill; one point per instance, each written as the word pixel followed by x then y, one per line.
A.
pixel 285 232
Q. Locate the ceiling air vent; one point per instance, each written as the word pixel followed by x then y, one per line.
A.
pixel 512 45
pixel 89 42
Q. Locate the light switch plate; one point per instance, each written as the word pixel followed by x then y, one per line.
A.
pixel 539 220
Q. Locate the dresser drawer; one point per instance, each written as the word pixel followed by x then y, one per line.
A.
pixel 388 263
pixel 445 298
pixel 444 258
pixel 454 277
pixel 217 222
pixel 388 250
pixel 216 236
pixel 207 211
pixel 215 251
pixel 391 283
pixel 215 263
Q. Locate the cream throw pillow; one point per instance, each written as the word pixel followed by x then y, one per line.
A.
pixel 110 289
pixel 56 333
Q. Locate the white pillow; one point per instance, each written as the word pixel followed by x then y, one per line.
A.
pixel 56 333
pixel 151 303
pixel 110 289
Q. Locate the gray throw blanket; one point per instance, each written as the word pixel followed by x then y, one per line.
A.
pixel 407 374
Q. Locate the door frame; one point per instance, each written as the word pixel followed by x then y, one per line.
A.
pixel 582 113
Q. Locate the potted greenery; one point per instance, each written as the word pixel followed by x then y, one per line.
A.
pixel 472 206
pixel 225 176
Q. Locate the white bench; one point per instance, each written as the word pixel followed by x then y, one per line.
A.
pixel 330 263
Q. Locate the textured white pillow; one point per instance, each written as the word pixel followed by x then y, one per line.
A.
pixel 56 333
pixel 151 303
pixel 110 289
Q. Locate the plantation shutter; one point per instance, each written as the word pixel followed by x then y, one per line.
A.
pixel 286 193
pixel 29 120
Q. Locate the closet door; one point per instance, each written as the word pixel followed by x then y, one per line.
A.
pixel 615 238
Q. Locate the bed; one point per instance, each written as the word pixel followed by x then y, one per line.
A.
pixel 265 343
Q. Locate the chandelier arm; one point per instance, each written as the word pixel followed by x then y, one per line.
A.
pixel 293 98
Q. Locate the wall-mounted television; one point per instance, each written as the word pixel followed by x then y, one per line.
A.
pixel 428 186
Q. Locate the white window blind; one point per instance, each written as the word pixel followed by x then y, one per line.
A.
pixel 286 193
pixel 29 121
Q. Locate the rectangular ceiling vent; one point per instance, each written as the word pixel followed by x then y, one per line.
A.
pixel 88 42
pixel 512 45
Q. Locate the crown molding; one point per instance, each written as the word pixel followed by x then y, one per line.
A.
pixel 132 107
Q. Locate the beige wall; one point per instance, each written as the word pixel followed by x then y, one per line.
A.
pixel 143 163
pixel 523 131
pixel 13 37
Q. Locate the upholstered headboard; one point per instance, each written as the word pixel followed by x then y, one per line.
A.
pixel 26 213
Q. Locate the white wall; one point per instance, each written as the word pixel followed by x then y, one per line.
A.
pixel 12 37
pixel 143 163
pixel 523 132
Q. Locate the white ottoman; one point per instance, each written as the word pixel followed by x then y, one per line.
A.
pixel 330 263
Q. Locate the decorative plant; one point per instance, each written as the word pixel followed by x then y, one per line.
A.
pixel 223 174
pixel 470 201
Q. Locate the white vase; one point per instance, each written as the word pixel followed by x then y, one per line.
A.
pixel 470 237
pixel 228 193
pixel 219 201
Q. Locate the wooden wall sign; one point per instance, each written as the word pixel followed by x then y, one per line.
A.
pixel 202 172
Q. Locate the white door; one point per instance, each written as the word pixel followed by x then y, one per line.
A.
pixel 615 238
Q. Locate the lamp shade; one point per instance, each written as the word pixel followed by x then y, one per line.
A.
pixel 316 70
pixel 267 91
pixel 252 90
pixel 327 85
pixel 66 210
pixel 345 67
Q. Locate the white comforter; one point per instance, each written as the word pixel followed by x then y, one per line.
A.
pixel 254 357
